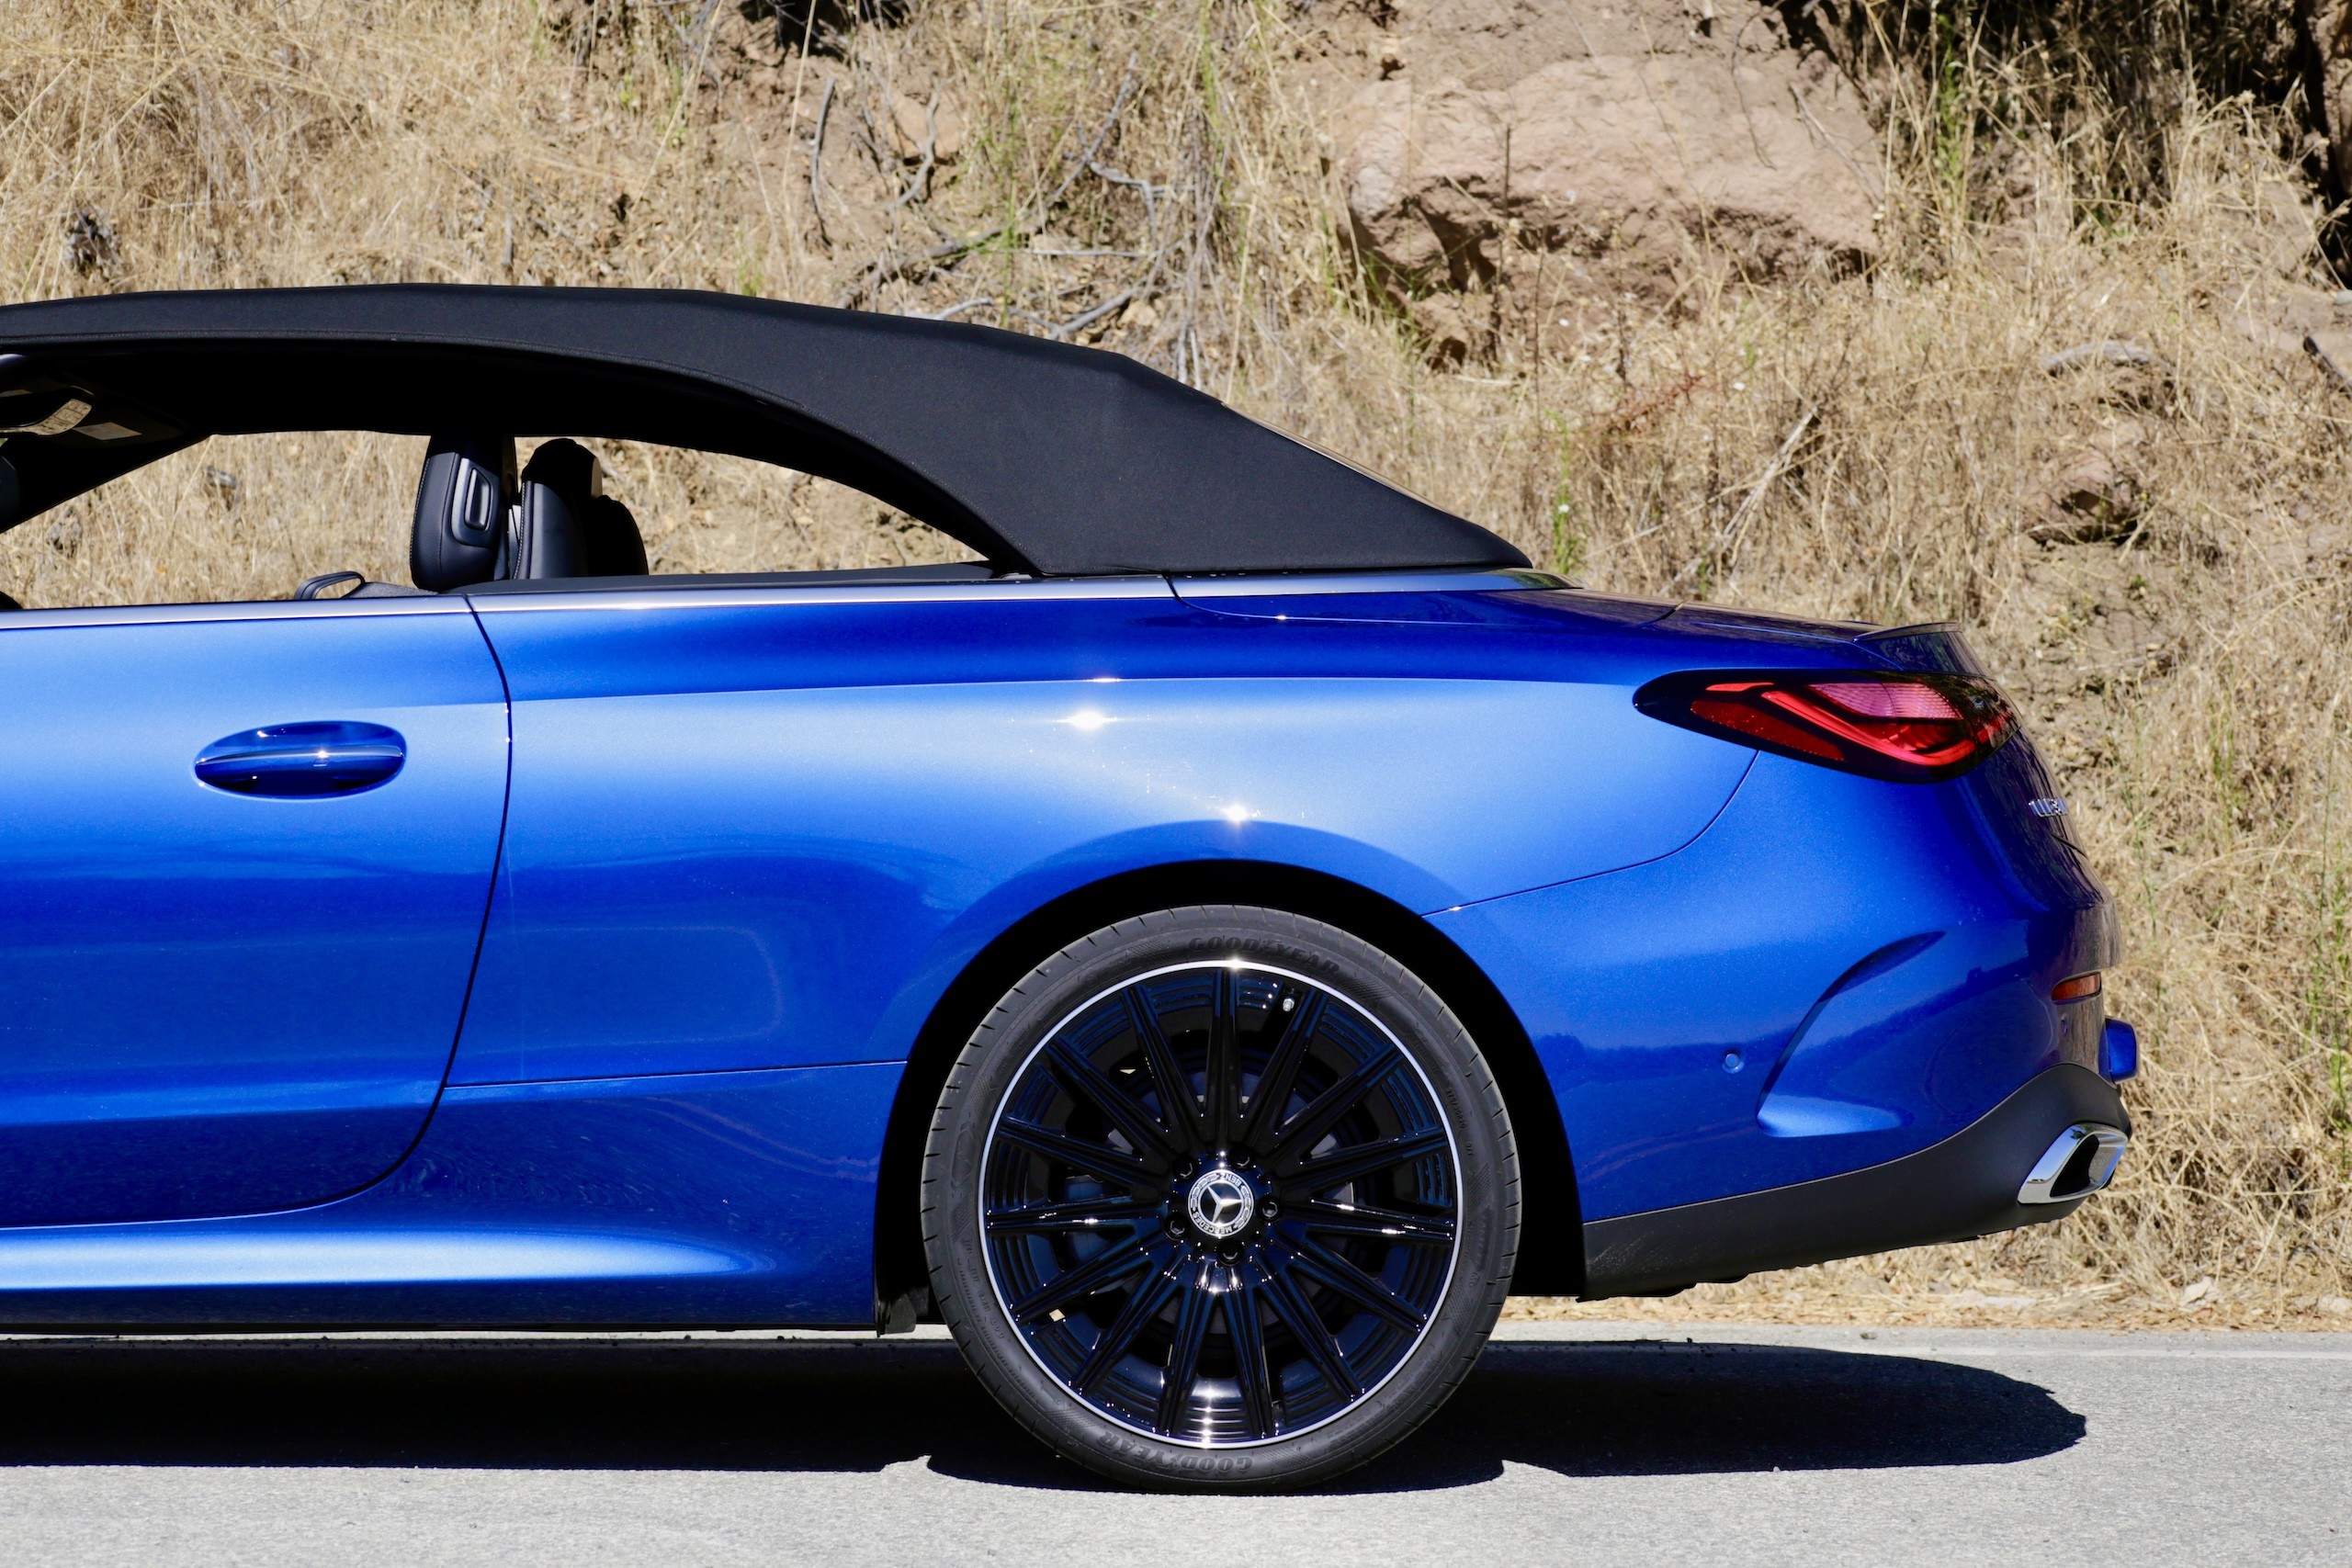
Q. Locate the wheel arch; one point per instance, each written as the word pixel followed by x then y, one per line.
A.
pixel 1551 1247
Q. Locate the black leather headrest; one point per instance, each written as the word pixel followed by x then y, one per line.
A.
pixel 564 526
pixel 461 501
pixel 552 512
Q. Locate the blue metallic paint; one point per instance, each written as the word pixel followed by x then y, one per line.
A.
pixel 218 1002
pixel 768 832
pixel 703 1198
pixel 757 831
pixel 1634 986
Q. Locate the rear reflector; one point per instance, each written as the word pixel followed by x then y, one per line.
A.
pixel 2118 1051
pixel 2076 989
pixel 1917 728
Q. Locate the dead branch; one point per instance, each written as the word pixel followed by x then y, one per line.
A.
pixel 958 309
pixel 1151 208
pixel 1737 526
pixel 918 187
pixel 2338 373
pixel 817 161
pixel 1726 545
pixel 1086 319
pixel 2107 351
pixel 890 266
pixel 1647 407
pixel 1085 158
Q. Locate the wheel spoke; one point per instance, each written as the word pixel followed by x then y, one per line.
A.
pixel 1249 1370
pixel 1329 1268
pixel 1308 1128
pixel 1151 1294
pixel 1088 1081
pixel 1221 1079
pixel 1100 1158
pixel 1106 1268
pixel 1357 1219
pixel 1072 1215
pixel 1345 1164
pixel 1177 1104
pixel 1299 1317
pixel 1282 1070
pixel 1184 1353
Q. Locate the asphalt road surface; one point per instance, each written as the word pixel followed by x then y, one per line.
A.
pixel 1573 1443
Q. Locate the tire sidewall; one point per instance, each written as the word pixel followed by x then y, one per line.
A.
pixel 1450 1066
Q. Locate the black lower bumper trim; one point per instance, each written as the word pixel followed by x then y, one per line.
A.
pixel 1965 1186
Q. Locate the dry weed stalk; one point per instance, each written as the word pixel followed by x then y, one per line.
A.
pixel 1146 174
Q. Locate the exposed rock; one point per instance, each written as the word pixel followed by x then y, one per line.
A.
pixel 2116 371
pixel 2327 37
pixel 2297 550
pixel 1630 138
pixel 915 124
pixel 2094 493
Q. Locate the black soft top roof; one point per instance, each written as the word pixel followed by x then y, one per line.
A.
pixel 1042 456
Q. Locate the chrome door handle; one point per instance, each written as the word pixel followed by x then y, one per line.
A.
pixel 323 757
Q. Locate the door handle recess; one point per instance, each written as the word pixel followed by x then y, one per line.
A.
pixel 323 757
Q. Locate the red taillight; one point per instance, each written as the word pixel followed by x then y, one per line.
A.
pixel 1914 727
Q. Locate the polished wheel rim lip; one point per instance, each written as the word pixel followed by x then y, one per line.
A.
pixel 1437 1106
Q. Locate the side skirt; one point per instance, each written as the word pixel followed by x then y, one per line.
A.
pixel 698 1200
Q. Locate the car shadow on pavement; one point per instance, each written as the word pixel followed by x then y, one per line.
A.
pixel 1647 1407
pixel 1578 1408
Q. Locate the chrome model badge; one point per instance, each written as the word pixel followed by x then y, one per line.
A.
pixel 1220 1204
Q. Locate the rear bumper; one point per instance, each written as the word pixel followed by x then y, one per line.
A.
pixel 1963 1186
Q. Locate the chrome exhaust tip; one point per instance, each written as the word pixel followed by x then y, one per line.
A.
pixel 2078 1162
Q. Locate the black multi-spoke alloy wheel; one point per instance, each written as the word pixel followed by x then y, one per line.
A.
pixel 1220 1198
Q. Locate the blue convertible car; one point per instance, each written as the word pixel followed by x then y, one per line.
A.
pixel 1207 952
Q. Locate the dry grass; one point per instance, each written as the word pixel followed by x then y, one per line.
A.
pixel 2187 677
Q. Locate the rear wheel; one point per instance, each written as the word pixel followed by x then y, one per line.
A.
pixel 1220 1198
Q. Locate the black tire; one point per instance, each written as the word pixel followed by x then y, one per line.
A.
pixel 1193 1288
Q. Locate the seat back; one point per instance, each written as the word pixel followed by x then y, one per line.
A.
pixel 550 512
pixel 616 549
pixel 463 495
pixel 564 526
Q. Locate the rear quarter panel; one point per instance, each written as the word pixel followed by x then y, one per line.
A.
pixel 758 831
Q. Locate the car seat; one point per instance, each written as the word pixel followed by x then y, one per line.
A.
pixel 564 528
pixel 462 496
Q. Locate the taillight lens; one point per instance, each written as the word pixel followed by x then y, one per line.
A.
pixel 1917 728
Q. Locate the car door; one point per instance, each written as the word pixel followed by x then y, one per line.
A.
pixel 245 853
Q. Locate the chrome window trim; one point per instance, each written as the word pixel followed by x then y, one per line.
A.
pixel 1467 579
pixel 229 610
pixel 741 598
